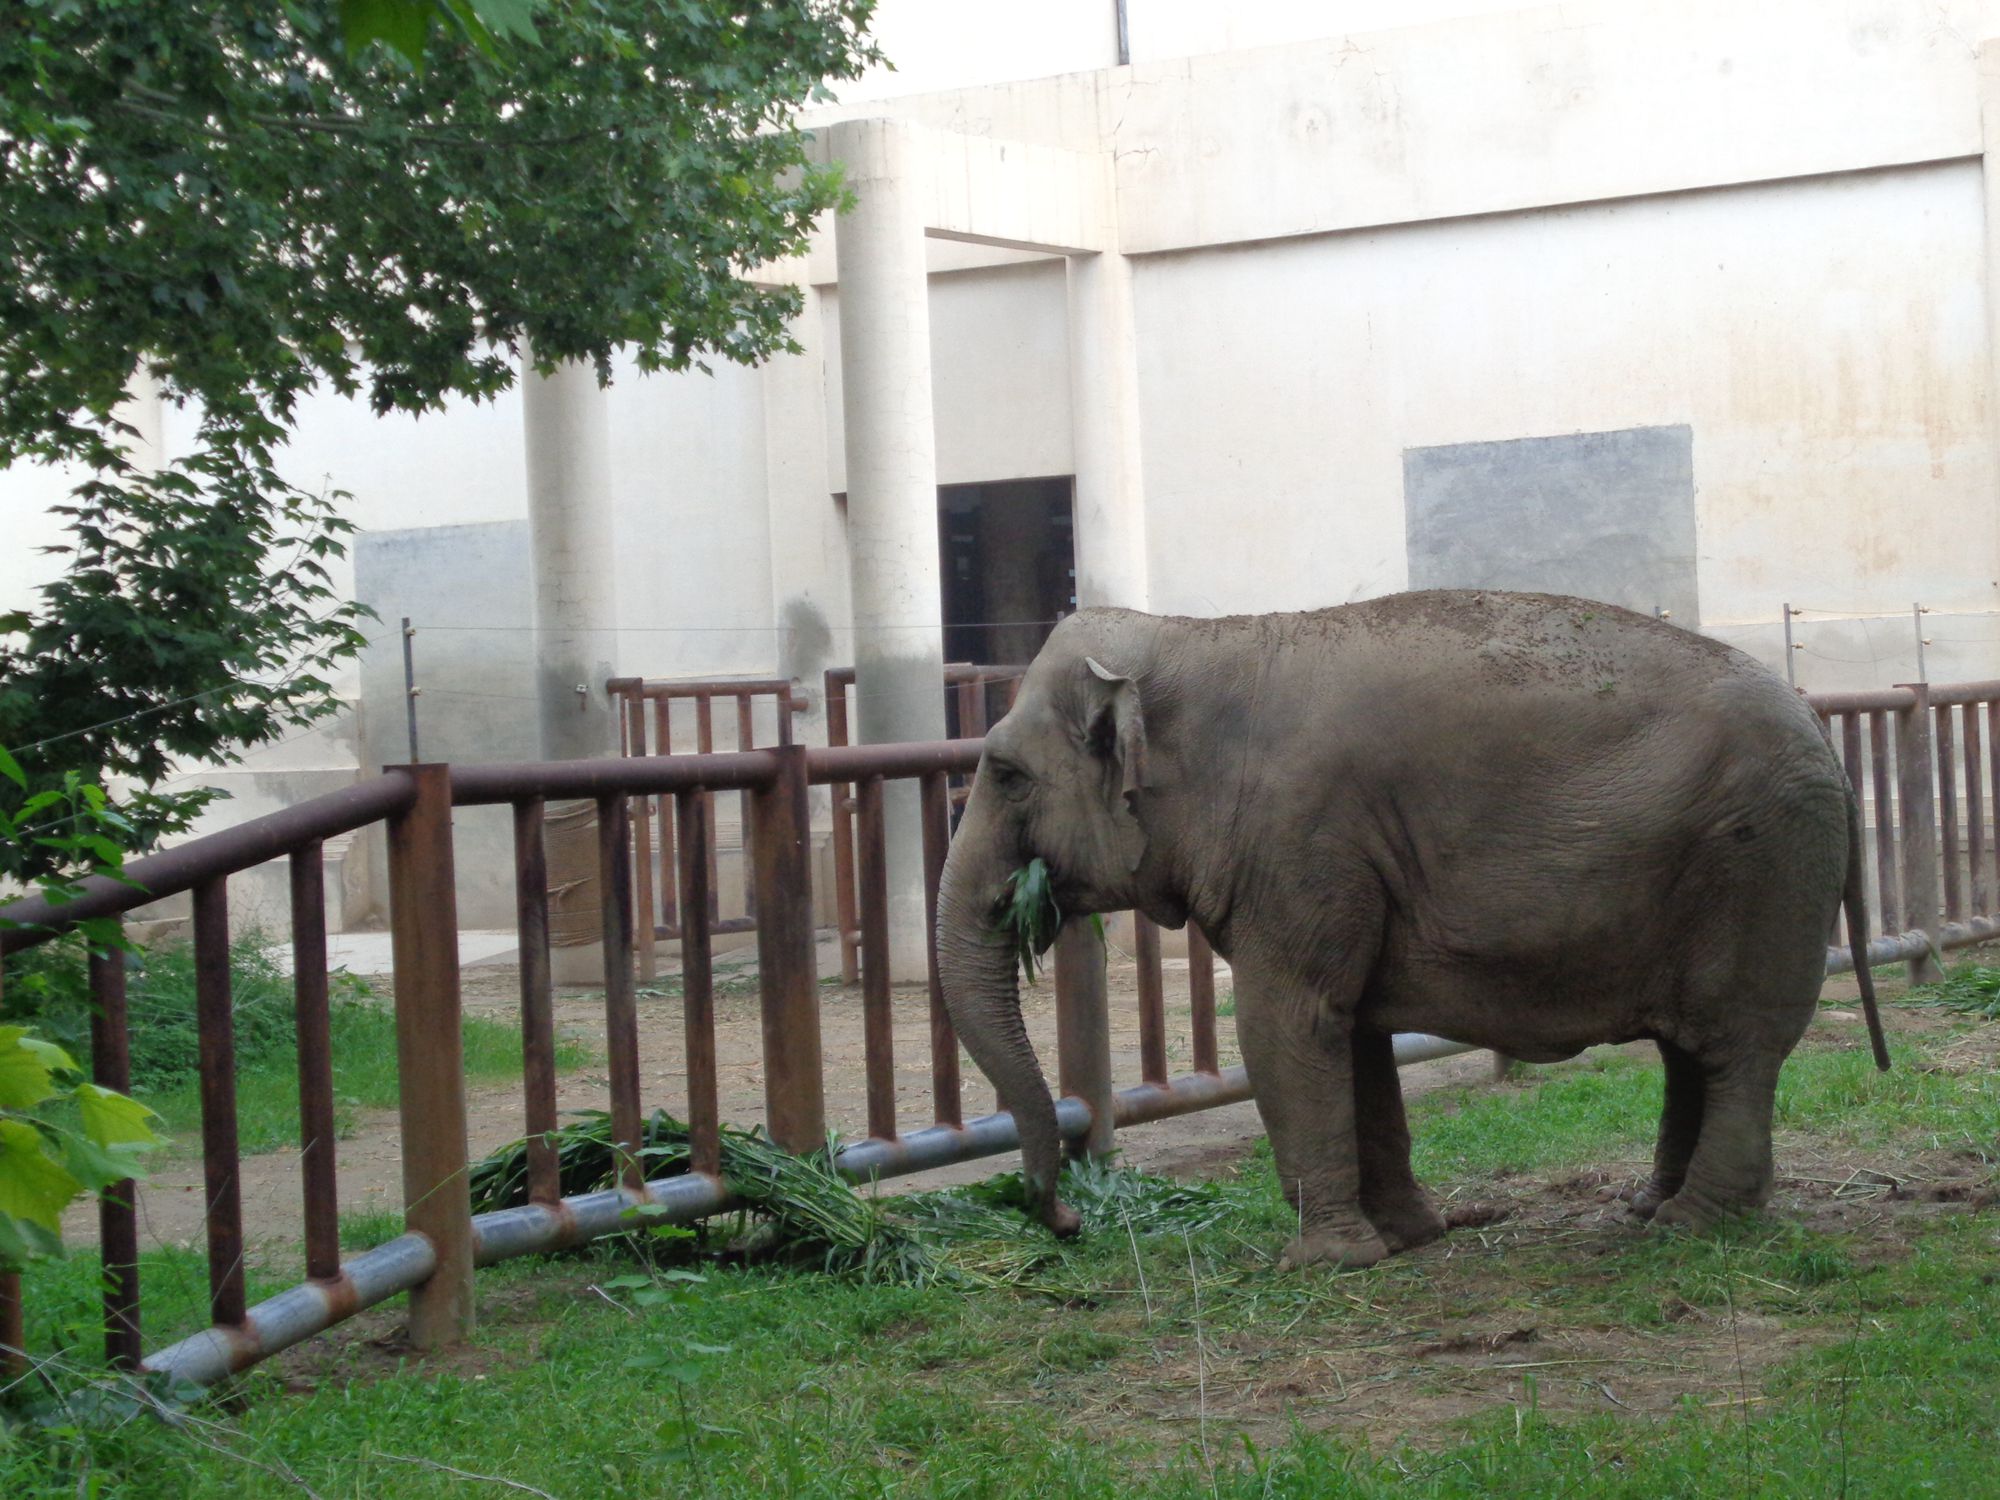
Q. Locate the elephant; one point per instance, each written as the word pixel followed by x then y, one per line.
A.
pixel 1525 822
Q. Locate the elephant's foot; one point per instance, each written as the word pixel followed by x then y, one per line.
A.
pixel 1404 1226
pixel 1698 1211
pixel 1339 1249
pixel 1064 1222
pixel 1647 1200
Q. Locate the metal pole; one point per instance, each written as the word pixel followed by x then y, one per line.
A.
pixel 1083 1033
pixel 1917 613
pixel 787 968
pixel 410 688
pixel 1916 819
pixel 1791 677
pixel 430 1056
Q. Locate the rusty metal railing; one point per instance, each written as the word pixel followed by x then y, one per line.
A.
pixel 1924 755
pixel 969 689
pixel 658 883
pixel 1924 760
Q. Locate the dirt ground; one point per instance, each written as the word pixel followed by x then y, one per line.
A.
pixel 370 1163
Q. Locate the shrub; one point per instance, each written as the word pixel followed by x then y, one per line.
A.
pixel 49 987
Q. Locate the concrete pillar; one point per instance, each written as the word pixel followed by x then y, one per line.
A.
pixel 892 525
pixel 1111 563
pixel 573 566
pixel 573 558
pixel 809 583
pixel 1989 122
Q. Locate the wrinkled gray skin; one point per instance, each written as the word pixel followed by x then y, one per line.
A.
pixel 1525 822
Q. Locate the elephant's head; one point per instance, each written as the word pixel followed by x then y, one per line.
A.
pixel 1062 778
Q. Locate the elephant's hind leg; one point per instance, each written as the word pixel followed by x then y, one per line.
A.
pixel 1391 1197
pixel 1731 1171
pixel 1298 1048
pixel 1680 1128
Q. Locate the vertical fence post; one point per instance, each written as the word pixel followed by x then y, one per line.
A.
pixel 621 1002
pixel 935 797
pixel 645 945
pixel 538 1032
pixel 430 1047
pixel 13 1321
pixel 846 910
pixel 698 986
pixel 215 1027
pixel 1916 820
pixel 312 1025
pixel 1152 1000
pixel 877 1016
pixel 787 967
pixel 1083 1032
pixel 117 1216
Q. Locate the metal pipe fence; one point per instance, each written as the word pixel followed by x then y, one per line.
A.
pixel 1923 757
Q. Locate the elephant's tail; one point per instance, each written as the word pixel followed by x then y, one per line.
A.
pixel 1854 901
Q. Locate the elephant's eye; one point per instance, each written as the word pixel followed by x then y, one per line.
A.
pixel 1009 780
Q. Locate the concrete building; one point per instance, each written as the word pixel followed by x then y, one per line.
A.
pixel 1685 304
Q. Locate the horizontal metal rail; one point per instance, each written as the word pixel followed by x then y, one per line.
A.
pixel 613 776
pixel 534 1229
pixel 211 857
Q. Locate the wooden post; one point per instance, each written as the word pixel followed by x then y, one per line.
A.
pixel 423 928
pixel 1083 1032
pixel 787 967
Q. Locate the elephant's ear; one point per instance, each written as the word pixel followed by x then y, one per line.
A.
pixel 1116 734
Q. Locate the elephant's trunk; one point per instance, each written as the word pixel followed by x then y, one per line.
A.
pixel 982 995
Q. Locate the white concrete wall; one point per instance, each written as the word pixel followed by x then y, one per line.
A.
pixel 1824 339
pixel 999 375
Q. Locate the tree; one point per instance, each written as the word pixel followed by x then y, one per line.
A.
pixel 390 198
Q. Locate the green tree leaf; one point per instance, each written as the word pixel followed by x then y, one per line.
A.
pixel 244 204
pixel 34 1186
pixel 111 1119
pixel 27 1066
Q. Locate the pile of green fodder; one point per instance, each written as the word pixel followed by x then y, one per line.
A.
pixel 800 1209
pixel 1970 989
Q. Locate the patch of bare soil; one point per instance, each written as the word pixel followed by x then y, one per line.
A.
pixel 1495 1336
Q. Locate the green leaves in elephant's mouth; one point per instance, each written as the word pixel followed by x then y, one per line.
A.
pixel 1027 912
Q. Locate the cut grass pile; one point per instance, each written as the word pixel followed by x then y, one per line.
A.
pixel 1969 989
pixel 800 1209
pixel 1834 1347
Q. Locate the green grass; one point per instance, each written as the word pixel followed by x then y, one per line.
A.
pixel 1119 1368
pixel 46 986
pixel 364 1076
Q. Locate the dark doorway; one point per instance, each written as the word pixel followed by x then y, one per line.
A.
pixel 1008 562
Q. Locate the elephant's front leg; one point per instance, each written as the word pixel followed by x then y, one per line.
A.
pixel 1299 1051
pixel 1395 1203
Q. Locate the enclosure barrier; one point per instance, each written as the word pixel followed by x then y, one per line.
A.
pixel 657 884
pixel 1927 774
pixel 969 691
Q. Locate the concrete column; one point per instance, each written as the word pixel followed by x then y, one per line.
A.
pixel 572 554
pixel 1989 121
pixel 892 526
pixel 1111 563
pixel 809 583
pixel 572 563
